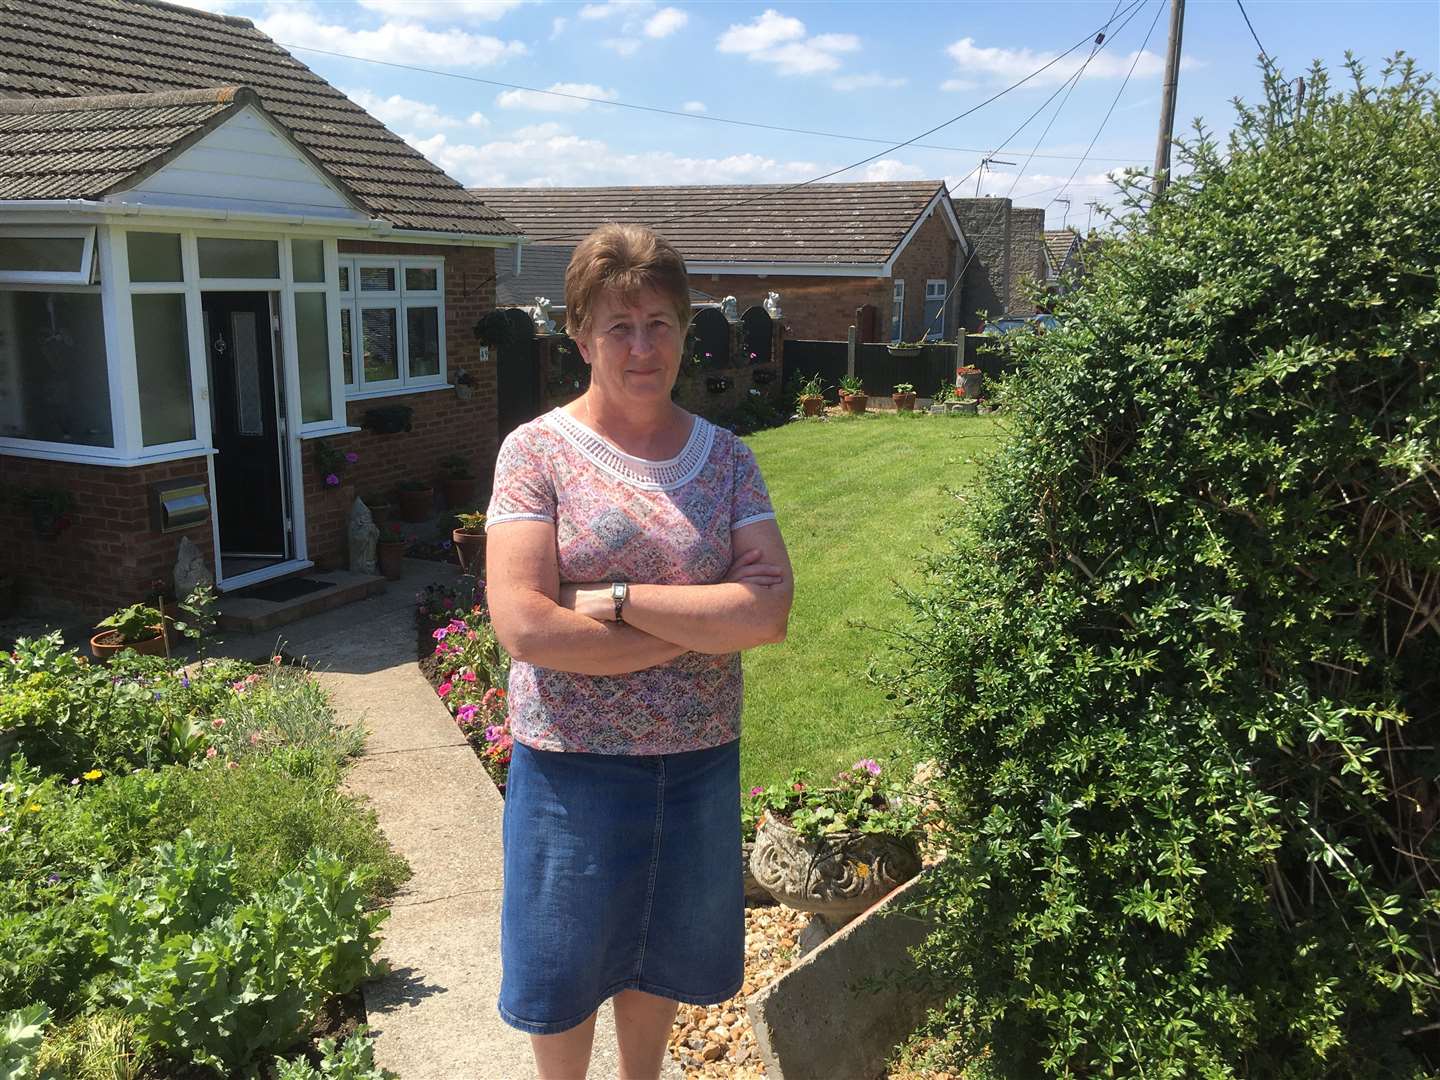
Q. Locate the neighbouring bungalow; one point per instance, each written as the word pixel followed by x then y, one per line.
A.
pixel 1062 259
pixel 887 252
pixel 213 266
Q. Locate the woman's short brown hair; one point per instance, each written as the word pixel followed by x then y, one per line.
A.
pixel 625 258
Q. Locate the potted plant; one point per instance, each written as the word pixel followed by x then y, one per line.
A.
pixel 752 810
pixel 904 348
pixel 940 400
pixel 969 382
pixel 469 540
pixel 390 550
pixel 417 500
pixel 380 507
pixel 138 627
pixel 811 398
pixel 853 398
pixel 835 851
pixel 457 481
pixel 904 397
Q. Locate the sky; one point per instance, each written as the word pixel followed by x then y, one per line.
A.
pixel 881 70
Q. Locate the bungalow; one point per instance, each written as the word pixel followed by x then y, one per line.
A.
pixel 892 249
pixel 213 266
pixel 1062 258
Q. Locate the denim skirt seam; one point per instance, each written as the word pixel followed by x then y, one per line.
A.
pixel 655 836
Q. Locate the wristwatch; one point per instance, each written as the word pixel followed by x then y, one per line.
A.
pixel 619 592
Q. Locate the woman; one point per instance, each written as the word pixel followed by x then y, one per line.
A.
pixel 632 554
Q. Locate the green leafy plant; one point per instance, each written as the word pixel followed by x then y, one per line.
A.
pixel 1178 658
pixel 945 393
pixel 856 801
pixel 471 521
pixel 851 386
pixel 904 388
pixel 21 1032
pixel 353 1061
pixel 138 622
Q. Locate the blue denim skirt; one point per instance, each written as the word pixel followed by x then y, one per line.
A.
pixel 621 872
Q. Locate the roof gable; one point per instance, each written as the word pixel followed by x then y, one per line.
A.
pixel 1060 246
pixel 772 224
pixel 74 48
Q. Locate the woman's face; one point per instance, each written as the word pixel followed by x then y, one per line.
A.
pixel 633 349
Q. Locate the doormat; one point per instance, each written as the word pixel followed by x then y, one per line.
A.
pixel 277 592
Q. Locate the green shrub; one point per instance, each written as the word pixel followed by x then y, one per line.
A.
pixel 21 1031
pixel 216 976
pixel 280 706
pixel 354 1061
pixel 1179 657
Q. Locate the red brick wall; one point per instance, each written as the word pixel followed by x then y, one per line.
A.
pixel 930 254
pixel 109 555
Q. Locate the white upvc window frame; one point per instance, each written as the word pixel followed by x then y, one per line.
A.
pixel 897 310
pixel 83 275
pixel 935 289
pixel 401 300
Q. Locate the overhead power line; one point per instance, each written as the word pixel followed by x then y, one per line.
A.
pixel 1134 5
pixel 1264 56
pixel 656 109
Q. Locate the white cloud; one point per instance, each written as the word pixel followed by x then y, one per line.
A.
pixel 477 120
pixel 530 99
pixel 557 25
pixel 396 111
pixel 628 46
pixel 1007 65
pixel 772 38
pixel 488 10
pixel 890 169
pixel 611 8
pixel 665 22
pixel 866 82
pixel 959 84
pixel 394 41
pixel 547 156
pixel 219 7
pixel 694 106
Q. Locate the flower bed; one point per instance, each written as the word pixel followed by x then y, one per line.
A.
pixel 170 835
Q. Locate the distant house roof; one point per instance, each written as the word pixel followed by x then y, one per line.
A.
pixel 775 225
pixel 1060 244
pixel 97 48
pixel 542 273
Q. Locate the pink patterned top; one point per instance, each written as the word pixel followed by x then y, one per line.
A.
pixel 623 518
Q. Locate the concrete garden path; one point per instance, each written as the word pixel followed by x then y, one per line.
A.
pixel 434 1015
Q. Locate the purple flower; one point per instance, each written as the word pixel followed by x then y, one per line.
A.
pixel 439 635
pixel 331 480
pixel 185 682
pixel 869 765
pixel 756 791
pixel 493 732
pixel 351 457
pixel 466 713
pixel 53 879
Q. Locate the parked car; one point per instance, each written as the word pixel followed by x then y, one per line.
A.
pixel 1015 322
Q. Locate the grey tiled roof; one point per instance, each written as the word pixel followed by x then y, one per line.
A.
pixel 1058 243
pixel 834 224
pixel 542 273
pixel 78 48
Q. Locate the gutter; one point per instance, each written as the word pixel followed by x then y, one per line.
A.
pixel 372 228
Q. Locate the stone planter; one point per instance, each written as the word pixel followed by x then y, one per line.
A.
pixel 964 408
pixel 835 877
pixel 970 383
pixel 755 893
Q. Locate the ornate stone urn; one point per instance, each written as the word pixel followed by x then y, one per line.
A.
pixel 835 877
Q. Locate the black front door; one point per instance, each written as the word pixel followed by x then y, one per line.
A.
pixel 249 479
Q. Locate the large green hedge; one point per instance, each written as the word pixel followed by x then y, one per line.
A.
pixel 1179 657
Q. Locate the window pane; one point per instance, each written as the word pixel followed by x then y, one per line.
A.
pixel 154 256
pixel 313 342
pixel 344 278
pixel 308 257
pixel 162 363
pixel 422 328
pixel 44 254
pixel 51 343
pixel 347 351
pixel 377 279
pixel 381 349
pixel 222 257
pixel 421 278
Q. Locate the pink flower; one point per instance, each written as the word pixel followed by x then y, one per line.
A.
pixel 232 764
pixel 469 676
pixel 441 633
pixel 331 480
pixel 444 688
pixel 797 787
pixel 210 753
pixel 254 738
pixel 756 791
pixel 493 732
pixel 276 659
pixel 351 457
pixel 869 765
pixel 217 723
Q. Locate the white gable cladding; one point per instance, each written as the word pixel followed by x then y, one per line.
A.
pixel 244 165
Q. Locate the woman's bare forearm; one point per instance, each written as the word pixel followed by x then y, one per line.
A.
pixel 726 617
pixel 541 632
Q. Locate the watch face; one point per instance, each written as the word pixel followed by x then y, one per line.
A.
pixel 617 590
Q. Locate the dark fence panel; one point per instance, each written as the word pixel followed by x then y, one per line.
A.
pixel 925 368
pixel 989 353
pixel 759 334
pixel 801 359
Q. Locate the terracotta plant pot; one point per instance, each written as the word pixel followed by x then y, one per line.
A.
pixel 388 558
pixel 471 547
pixel 903 402
pixel 107 643
pixel 459 491
pixel 380 513
pixel 812 406
pixel 854 403
pixel 417 506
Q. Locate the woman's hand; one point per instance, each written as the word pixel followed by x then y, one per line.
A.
pixel 747 569
pixel 591 599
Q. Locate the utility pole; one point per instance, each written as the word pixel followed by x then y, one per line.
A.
pixel 1065 221
pixel 1167 100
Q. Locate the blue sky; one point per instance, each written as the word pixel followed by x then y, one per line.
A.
pixel 885 70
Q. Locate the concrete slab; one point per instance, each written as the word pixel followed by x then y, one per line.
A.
pixel 250 614
pixel 813 1023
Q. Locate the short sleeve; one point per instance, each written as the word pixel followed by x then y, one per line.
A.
pixel 749 499
pixel 524 490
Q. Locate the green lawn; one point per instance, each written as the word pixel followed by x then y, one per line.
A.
pixel 858 501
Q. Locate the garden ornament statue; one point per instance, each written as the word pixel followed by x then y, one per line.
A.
pixel 730 308
pixel 772 305
pixel 364 534
pixel 541 316
pixel 190 568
